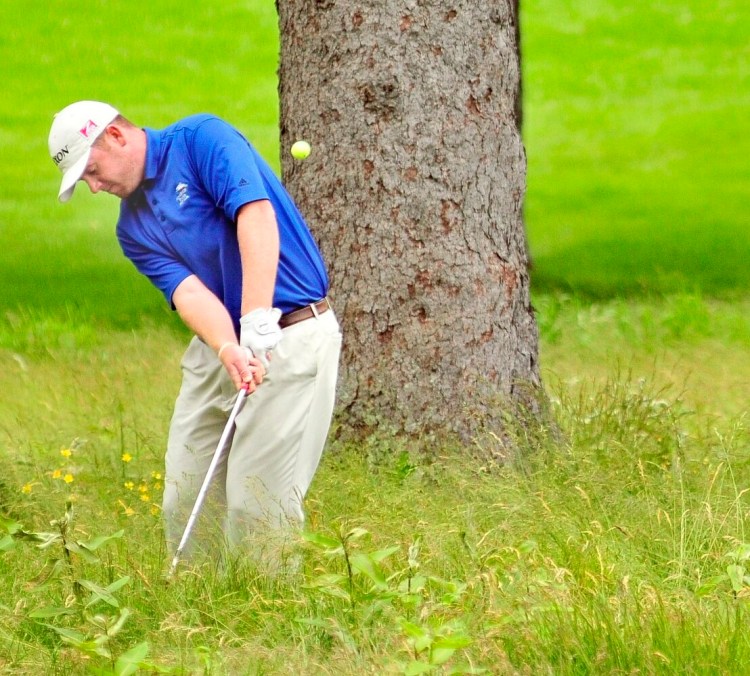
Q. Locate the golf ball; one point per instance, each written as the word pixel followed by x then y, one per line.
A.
pixel 300 150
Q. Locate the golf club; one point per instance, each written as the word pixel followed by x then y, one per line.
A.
pixel 207 480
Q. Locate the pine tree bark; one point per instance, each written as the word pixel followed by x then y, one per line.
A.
pixel 414 189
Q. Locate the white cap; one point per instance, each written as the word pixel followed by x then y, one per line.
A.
pixel 73 132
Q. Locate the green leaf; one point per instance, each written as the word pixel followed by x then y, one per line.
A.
pixel 454 641
pixel 416 667
pixel 440 583
pixel 412 585
pixel 69 635
pixel 382 554
pixel 336 592
pixel 94 647
pixel 331 584
pixel 129 662
pixel 9 525
pixel 7 543
pixel 330 544
pixel 80 551
pixel 736 575
pixel 422 642
pixel 365 565
pixel 115 629
pixel 413 555
pixel 98 594
pixel 51 571
pixel 51 611
pixel 445 646
pixel 118 584
pixel 43 540
pixel 356 533
pixel 410 629
pixel 441 655
pixel 93 545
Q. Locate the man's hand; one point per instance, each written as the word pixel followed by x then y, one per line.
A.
pixel 260 332
pixel 241 366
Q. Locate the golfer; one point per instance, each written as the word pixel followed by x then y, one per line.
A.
pixel 207 221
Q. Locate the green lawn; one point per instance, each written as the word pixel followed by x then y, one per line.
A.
pixel 635 130
pixel 154 61
pixel 618 543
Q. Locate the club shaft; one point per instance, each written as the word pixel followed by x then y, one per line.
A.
pixel 228 430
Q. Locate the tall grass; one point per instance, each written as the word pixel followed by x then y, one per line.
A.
pixel 615 546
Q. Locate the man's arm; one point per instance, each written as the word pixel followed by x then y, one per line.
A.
pixel 205 314
pixel 258 236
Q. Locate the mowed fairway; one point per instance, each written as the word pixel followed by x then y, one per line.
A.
pixel 618 543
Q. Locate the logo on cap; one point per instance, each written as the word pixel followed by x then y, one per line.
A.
pixel 59 156
pixel 88 129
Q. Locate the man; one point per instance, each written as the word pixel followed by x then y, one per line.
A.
pixel 207 221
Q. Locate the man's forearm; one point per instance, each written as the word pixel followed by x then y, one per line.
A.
pixel 258 236
pixel 204 313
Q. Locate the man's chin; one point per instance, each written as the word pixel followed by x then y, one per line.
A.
pixel 122 193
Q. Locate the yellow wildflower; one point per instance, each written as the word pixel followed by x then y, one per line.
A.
pixel 126 457
pixel 26 488
pixel 68 478
pixel 156 475
pixel 145 497
pixel 142 488
pixel 66 452
pixel 155 510
pixel 127 511
pixel 129 485
pixel 157 486
pixel 56 474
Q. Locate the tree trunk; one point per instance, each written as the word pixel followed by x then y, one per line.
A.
pixel 414 189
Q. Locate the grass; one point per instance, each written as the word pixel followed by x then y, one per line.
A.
pixel 617 543
pixel 636 157
pixel 620 527
pixel 155 62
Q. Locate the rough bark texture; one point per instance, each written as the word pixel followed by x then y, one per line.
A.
pixel 414 189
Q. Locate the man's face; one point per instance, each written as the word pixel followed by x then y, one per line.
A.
pixel 111 168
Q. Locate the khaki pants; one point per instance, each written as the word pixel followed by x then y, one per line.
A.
pixel 257 492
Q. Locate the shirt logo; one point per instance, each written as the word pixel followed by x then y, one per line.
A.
pixel 182 194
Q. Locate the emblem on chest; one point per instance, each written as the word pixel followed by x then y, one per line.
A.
pixel 181 190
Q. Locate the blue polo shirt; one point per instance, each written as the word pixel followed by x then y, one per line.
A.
pixel 182 220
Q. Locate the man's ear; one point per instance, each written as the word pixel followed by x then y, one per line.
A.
pixel 115 134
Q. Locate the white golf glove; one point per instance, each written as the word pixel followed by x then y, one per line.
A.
pixel 260 332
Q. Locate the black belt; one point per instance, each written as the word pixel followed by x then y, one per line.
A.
pixel 307 312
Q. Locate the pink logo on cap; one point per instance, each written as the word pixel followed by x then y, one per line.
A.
pixel 87 129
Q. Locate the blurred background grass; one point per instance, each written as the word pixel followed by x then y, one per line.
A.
pixel 156 62
pixel 635 128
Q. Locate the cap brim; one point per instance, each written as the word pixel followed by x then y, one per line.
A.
pixel 71 176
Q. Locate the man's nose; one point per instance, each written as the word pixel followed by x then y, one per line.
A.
pixel 94 185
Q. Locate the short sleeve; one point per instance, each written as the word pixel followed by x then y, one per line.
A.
pixel 227 166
